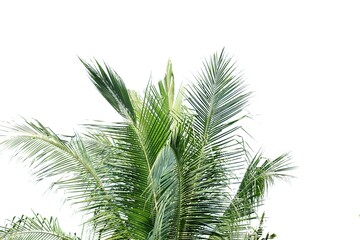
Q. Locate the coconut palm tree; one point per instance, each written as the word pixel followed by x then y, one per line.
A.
pixel 173 167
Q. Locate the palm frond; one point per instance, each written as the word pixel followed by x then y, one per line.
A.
pixel 75 165
pixel 48 154
pixel 36 228
pixel 260 174
pixel 112 87
pixel 165 185
pixel 136 147
pixel 218 96
pixel 206 151
pixel 167 86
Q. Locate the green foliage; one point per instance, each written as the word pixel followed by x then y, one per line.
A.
pixel 163 171
pixel 258 234
pixel 36 227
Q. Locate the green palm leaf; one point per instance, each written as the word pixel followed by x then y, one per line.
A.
pixel 260 174
pixel 137 144
pixel 36 228
pixel 49 155
pixel 112 87
pixel 80 171
pixel 218 96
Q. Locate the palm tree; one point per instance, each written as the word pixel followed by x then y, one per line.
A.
pixel 164 171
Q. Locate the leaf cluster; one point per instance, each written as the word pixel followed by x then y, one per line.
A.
pixel 163 171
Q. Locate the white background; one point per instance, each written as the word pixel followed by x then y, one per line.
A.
pixel 301 59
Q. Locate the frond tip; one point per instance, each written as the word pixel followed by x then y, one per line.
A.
pixel 112 87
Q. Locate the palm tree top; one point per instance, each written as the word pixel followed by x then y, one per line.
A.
pixel 163 171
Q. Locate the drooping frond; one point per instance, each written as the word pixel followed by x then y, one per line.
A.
pixel 260 174
pixel 48 154
pixel 34 228
pixel 112 87
pixel 74 164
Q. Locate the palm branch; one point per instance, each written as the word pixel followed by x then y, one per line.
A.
pixel 36 228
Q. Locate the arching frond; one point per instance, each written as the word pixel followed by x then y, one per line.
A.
pixel 260 174
pixel 48 154
pixel 74 164
pixel 112 87
pixel 34 228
